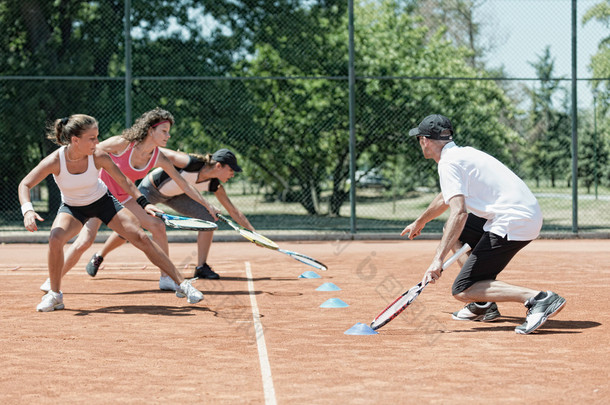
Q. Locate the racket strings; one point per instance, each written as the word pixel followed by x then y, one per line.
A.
pixel 258 239
pixel 190 223
pixel 396 307
pixel 309 261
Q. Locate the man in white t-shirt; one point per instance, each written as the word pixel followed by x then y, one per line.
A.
pixel 493 211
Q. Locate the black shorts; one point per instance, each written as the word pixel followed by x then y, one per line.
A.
pixel 489 256
pixel 105 209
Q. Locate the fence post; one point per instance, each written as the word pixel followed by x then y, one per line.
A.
pixel 352 120
pixel 128 66
pixel 574 126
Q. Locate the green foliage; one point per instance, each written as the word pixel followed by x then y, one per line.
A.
pixel 593 156
pixel 268 79
pixel 305 122
pixel 549 136
pixel 67 38
pixel 600 62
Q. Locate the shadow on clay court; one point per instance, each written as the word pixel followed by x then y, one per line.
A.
pixel 157 291
pixel 551 326
pixel 159 310
pixel 245 279
pixel 240 279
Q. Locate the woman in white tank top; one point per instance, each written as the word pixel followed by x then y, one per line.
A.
pixel 75 167
pixel 79 189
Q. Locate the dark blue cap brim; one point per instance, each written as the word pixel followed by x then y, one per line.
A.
pixel 414 132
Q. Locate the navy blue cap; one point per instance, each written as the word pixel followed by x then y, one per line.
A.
pixel 227 157
pixel 434 126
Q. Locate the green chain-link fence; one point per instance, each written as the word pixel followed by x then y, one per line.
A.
pixel 270 80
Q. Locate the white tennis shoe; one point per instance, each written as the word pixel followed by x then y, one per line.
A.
pixel 167 284
pixel 193 295
pixel 46 286
pixel 51 301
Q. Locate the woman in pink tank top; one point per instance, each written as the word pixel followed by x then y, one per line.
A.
pixel 137 151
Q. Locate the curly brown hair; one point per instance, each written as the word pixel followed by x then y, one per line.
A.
pixel 139 129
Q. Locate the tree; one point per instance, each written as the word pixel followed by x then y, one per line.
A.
pixel 593 156
pixel 600 62
pixel 294 129
pixel 63 38
pixel 600 66
pixel 463 25
pixel 304 122
pixel 549 129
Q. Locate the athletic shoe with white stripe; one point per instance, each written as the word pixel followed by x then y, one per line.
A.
pixel 475 312
pixel 51 301
pixel 539 310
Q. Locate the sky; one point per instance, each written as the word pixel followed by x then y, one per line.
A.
pixel 522 29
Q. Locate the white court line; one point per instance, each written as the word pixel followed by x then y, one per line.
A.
pixel 260 342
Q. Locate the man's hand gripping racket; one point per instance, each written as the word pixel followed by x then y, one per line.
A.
pixel 402 302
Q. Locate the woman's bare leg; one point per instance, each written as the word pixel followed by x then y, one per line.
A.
pixel 85 239
pixel 64 228
pixel 127 225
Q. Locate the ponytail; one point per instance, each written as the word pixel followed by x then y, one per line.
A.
pixel 63 129
pixel 197 162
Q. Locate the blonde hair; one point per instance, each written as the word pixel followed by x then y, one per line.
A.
pixel 63 129
pixel 139 129
pixel 207 158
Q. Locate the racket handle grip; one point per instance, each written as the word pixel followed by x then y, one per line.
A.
pixel 456 255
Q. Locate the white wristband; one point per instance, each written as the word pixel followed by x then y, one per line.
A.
pixel 27 207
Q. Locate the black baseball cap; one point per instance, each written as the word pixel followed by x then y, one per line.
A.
pixel 227 157
pixel 434 126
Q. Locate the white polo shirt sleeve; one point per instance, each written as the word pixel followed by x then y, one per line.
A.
pixel 453 181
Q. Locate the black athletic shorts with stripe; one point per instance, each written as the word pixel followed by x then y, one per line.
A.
pixel 490 255
pixel 105 208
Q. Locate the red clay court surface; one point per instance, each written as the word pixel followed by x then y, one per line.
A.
pixel 260 336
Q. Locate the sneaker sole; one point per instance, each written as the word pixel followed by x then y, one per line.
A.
pixel 544 318
pixel 490 319
pixel 479 318
pixel 194 301
pixel 55 308
pixel 476 318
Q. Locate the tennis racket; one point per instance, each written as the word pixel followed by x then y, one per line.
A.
pixel 269 244
pixel 253 237
pixel 305 259
pixel 187 223
pixel 402 302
